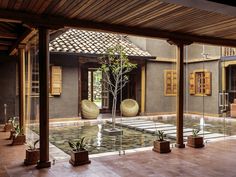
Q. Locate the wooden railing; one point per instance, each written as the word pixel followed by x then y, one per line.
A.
pixel 228 51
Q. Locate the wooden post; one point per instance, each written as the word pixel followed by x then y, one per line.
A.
pixel 43 99
pixel 180 96
pixel 79 89
pixel 180 90
pixel 21 75
pixel 143 89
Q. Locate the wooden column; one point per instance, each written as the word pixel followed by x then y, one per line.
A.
pixel 21 78
pixel 180 96
pixel 43 98
pixel 143 89
pixel 180 90
pixel 223 70
pixel 79 89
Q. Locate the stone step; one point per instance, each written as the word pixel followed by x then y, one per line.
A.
pixel 161 129
pixel 213 136
pixel 137 123
pixel 169 129
pixel 201 133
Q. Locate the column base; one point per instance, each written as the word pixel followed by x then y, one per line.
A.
pixel 180 145
pixel 46 164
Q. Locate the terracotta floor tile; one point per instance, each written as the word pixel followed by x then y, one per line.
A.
pixel 216 159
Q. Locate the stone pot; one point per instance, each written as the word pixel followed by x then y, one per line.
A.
pixel 161 146
pixel 79 158
pixel 18 140
pixel 32 156
pixel 8 127
pixel 195 141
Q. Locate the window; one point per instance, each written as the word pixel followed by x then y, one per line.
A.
pixel 35 79
pixel 55 80
pixel 200 83
pixel 170 83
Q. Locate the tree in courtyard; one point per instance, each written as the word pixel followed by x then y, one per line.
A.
pixel 115 67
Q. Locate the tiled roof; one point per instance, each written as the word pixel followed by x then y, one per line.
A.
pixel 89 42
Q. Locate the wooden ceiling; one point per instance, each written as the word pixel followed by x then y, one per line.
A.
pixel 152 18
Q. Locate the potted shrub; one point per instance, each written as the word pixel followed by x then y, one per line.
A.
pixel 195 140
pixel 18 136
pixel 160 145
pixel 79 154
pixel 32 154
pixel 14 126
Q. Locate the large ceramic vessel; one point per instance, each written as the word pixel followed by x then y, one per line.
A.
pixel 89 109
pixel 129 108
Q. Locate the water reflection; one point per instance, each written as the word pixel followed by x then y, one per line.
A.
pixel 99 136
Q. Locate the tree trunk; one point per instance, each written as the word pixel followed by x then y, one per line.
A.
pixel 113 112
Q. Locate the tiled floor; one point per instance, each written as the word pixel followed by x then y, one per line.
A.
pixel 215 160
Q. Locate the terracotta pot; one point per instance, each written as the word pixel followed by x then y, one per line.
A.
pixel 32 156
pixel 8 127
pixel 18 140
pixel 79 158
pixel 161 146
pixel 195 141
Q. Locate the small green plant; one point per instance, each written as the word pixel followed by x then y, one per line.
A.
pixel 33 146
pixel 195 132
pixel 160 135
pixel 12 120
pixel 18 130
pixel 79 145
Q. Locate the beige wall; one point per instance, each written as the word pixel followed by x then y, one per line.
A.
pixel 195 51
pixel 164 51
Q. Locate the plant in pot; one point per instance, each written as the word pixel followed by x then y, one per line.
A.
pixel 9 125
pixel 160 145
pixel 79 154
pixel 32 153
pixel 18 136
pixel 195 140
pixel 14 127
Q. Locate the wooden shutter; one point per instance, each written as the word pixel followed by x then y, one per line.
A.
pixel 168 82
pixel 207 78
pixel 174 82
pixel 56 79
pixel 192 83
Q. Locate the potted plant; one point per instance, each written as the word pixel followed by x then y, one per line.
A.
pixel 18 136
pixel 195 140
pixel 9 125
pixel 14 126
pixel 32 154
pixel 160 145
pixel 79 154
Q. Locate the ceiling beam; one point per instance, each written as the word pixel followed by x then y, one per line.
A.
pixel 4 48
pixel 56 22
pixel 23 39
pixel 222 7
pixel 7 35
pixel 5 43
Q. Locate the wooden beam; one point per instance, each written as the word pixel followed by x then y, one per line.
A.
pixel 4 47
pixel 4 35
pixel 9 21
pixel 222 8
pixel 43 98
pixel 56 22
pixel 21 79
pixel 23 39
pixel 5 43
